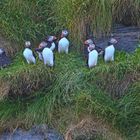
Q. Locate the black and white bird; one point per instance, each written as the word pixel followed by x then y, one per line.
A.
pixel 90 40
pixel 48 57
pixel 28 53
pixel 50 42
pixel 45 51
pixel 109 51
pixel 92 53
pixel 63 44
pixel 40 48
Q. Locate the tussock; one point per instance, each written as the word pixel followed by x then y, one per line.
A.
pixel 10 47
pixel 127 12
pixel 22 79
pixel 4 89
pixel 90 128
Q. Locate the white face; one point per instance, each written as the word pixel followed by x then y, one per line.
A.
pixel 113 41
pixel 51 38
pixel 27 43
pixel 64 33
pixel 43 44
pixel 91 47
pixel 88 42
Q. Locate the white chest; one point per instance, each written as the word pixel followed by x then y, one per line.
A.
pixel 93 58
pixel 27 52
pixel 109 53
pixel 64 42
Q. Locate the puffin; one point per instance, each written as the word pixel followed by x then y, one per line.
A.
pixel 47 42
pixel 48 57
pixel 45 51
pixel 28 53
pixel 40 48
pixel 92 53
pixel 50 42
pixel 110 50
pixel 90 40
pixel 63 44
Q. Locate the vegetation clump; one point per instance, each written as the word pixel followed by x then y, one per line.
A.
pixel 20 79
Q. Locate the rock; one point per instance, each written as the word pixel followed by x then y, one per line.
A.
pixel 40 132
pixel 46 132
pixel 4 60
pixel 127 37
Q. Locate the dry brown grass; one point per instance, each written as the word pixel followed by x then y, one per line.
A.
pixel 21 79
pixel 92 128
pixel 117 88
pixel 127 12
pixel 4 89
pixel 10 47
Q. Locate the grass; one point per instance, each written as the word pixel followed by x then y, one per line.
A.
pixel 22 79
pixel 35 16
pixel 34 94
pixel 81 17
pixel 127 12
pixel 76 90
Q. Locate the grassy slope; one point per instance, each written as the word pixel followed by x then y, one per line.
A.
pixel 70 87
pixel 76 89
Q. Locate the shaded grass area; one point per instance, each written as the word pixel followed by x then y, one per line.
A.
pixel 71 90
